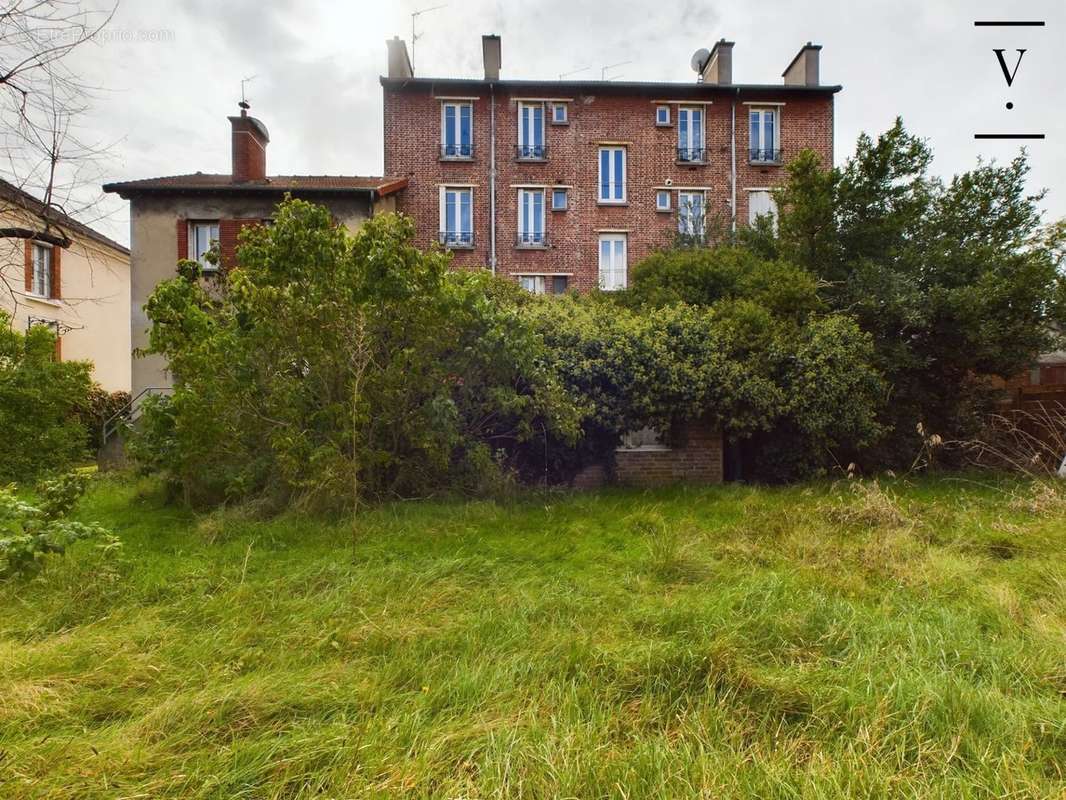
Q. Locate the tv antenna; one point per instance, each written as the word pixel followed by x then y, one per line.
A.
pixel 244 100
pixel 416 36
pixel 603 71
pixel 699 61
pixel 571 72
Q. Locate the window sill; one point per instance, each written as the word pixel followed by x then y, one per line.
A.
pixel 690 163
pixel 556 210
pixel 562 124
pixel 649 448
pixel 458 246
pixel 44 301
pixel 612 202
pixel 531 247
pixel 462 159
pixel 766 163
pixel 663 210
pixel 664 125
pixel 531 160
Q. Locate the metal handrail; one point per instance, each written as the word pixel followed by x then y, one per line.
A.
pixel 125 414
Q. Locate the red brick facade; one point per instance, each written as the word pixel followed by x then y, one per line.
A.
pixel 695 458
pixel 597 114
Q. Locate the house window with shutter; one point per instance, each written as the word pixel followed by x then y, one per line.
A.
pixel 42 284
pixel 203 235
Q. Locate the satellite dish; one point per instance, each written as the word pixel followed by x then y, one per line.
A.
pixel 700 58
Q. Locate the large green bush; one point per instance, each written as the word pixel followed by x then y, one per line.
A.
pixel 958 282
pixel 328 367
pixel 40 399
pixel 733 363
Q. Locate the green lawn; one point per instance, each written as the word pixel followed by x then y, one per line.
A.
pixel 802 643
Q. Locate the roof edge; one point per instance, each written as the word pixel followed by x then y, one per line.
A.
pixel 703 88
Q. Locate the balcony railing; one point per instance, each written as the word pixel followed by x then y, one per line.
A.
pixel 457 239
pixel 692 155
pixel 757 156
pixel 531 152
pixel 457 151
pixel 532 239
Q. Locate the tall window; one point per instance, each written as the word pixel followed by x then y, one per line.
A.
pixel 202 237
pixel 531 131
pixel 456 216
pixel 690 134
pixel 761 203
pixel 457 130
pixel 531 218
pixel 612 175
pixel 764 138
pixel 42 270
pixel 612 261
pixel 690 215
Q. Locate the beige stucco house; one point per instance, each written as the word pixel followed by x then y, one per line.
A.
pixel 61 273
pixel 183 216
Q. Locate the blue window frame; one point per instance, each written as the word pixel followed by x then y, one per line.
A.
pixel 690 134
pixel 612 175
pixel 531 218
pixel 764 134
pixel 531 131
pixel 457 227
pixel 457 130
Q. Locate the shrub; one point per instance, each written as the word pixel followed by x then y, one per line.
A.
pixel 101 406
pixel 29 533
pixel 39 402
pixel 326 368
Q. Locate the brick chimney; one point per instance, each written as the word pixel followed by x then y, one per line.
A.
pixel 490 51
pixel 399 62
pixel 803 69
pixel 719 67
pixel 249 141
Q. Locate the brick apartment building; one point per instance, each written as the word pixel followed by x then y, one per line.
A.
pixel 568 184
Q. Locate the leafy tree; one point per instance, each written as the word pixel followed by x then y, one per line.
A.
pixel 39 402
pixel 332 367
pixel 956 282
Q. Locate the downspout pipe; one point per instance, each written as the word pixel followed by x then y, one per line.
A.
pixel 733 163
pixel 492 177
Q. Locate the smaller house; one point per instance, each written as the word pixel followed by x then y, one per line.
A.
pixel 58 272
pixel 184 216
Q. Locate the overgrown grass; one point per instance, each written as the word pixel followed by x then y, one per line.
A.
pixel 901 640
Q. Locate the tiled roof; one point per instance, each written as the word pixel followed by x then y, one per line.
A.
pixel 208 182
pixel 23 199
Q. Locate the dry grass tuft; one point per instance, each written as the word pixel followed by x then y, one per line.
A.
pixel 869 506
pixel 1043 498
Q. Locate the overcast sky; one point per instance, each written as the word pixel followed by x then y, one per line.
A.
pixel 172 71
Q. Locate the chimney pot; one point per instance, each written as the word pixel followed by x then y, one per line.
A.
pixel 803 69
pixel 490 51
pixel 719 68
pixel 399 61
pixel 248 141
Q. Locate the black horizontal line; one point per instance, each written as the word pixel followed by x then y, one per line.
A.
pixel 1008 136
pixel 1008 23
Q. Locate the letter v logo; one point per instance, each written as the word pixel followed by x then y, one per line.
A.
pixel 1003 64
